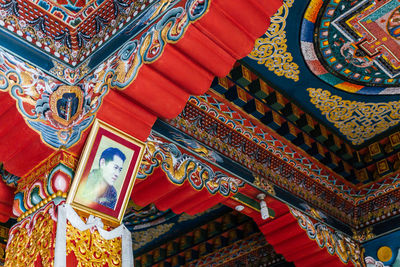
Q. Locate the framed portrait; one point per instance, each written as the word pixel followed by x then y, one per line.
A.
pixel 106 173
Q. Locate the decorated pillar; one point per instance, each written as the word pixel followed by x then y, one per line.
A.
pixel 38 194
pixel 42 215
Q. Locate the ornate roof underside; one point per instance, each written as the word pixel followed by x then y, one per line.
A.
pixel 58 102
pixel 284 114
pixel 328 56
pixel 62 65
pixel 312 112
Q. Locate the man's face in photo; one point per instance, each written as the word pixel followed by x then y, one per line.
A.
pixel 111 169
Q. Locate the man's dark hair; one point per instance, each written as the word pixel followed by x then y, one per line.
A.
pixel 109 153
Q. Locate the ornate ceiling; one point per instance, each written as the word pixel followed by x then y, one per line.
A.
pixel 57 65
pixel 355 45
pixel 310 116
pixel 313 111
pixel 328 56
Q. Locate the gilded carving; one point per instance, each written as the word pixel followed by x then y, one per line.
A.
pixel 89 246
pixel 271 50
pixel 357 121
pixel 32 240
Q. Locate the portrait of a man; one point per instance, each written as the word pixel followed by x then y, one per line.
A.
pixel 106 172
pixel 99 185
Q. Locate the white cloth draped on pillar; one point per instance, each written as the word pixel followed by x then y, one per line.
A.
pixel 66 212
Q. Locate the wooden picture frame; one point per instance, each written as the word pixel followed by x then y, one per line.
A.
pixel 106 173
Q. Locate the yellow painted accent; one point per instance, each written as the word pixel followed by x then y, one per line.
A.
pixel 388 61
pixel 384 253
pixel 350 19
pixel 349 87
pixel 351 26
pixel 355 120
pixel 332 59
pixel 384 39
pixel 312 11
pixel 246 74
pixel 275 41
pixel 347 71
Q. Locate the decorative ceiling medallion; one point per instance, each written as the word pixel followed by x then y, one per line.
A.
pixel 271 50
pixel 357 121
pixel 354 45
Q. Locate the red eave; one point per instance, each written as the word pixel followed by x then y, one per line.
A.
pixel 209 48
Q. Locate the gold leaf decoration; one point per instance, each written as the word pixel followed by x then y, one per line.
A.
pixel 28 245
pixel 357 121
pixel 271 51
pixel 89 246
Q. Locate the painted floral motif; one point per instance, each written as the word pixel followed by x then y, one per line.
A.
pixel 50 179
pixel 169 29
pixel 393 24
pixel 73 37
